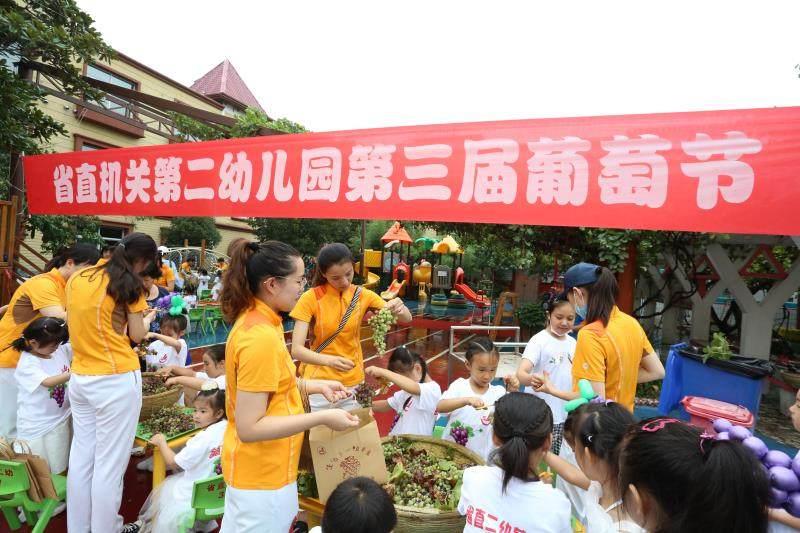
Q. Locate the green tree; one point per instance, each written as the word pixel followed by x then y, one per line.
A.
pixel 58 34
pixel 62 231
pixel 305 234
pixel 193 229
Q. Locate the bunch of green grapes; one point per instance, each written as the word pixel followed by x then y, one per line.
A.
pixel 381 322
pixel 170 420
pixel 421 479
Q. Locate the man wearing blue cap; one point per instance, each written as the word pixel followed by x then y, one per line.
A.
pixel 613 352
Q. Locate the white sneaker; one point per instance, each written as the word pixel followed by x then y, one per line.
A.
pixel 145 465
pixel 137 451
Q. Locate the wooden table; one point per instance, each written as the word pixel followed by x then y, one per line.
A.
pixel 159 466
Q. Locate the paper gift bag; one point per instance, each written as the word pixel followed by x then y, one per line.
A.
pixel 38 471
pixel 340 455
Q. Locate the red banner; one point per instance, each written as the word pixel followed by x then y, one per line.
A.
pixel 721 171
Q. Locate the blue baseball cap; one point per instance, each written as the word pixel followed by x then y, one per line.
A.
pixel 580 275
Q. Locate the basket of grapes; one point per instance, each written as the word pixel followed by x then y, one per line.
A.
pixel 424 482
pixel 171 421
pixel 156 394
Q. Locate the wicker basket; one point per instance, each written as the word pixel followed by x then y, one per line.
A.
pixel 416 520
pixel 154 402
pixel 791 378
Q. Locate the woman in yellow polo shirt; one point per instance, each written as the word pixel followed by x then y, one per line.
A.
pixel 266 418
pixel 326 304
pixel 41 295
pixel 613 352
pixel 106 310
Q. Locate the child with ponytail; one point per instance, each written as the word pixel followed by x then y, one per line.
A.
pixel 170 503
pixel 415 402
pixel 43 409
pixel 507 492
pixel 597 429
pixel 677 479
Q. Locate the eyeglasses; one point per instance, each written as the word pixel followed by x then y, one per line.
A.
pixel 302 281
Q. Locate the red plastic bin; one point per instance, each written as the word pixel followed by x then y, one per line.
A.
pixel 703 412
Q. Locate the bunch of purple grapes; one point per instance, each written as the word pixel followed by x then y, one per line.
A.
pixel 460 435
pixel 58 393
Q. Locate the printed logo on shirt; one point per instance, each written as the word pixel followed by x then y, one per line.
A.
pixel 480 519
pixel 163 359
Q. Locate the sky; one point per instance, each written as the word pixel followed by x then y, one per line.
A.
pixel 340 65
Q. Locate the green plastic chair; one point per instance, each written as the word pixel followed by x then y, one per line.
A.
pixel 14 484
pixel 205 294
pixel 198 317
pixel 213 317
pixel 208 501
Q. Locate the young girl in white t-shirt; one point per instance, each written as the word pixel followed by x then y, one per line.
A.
pixel 168 348
pixel 597 430
pixel 43 413
pixel 171 502
pixel 469 402
pixel 506 494
pixel 550 353
pixel 415 403
pixel 213 370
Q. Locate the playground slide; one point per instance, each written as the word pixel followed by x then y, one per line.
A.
pixel 372 281
pixel 469 294
pixel 393 290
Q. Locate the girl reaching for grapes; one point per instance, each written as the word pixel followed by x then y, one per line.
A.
pixel 213 370
pixel 333 311
pixel 415 403
pixel 43 410
pixel 469 402
pixel 507 488
pixel 170 503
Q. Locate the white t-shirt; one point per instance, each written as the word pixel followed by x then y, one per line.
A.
pixel 219 379
pixel 415 415
pixel 215 290
pixel 597 518
pixel 575 494
pixel 554 356
pixel 40 409
pixel 533 506
pixel 166 355
pixel 478 423
pixel 203 283
pixel 201 455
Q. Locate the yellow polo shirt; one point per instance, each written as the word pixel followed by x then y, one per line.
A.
pixel 326 306
pixel 44 290
pixel 167 275
pixel 612 355
pixel 256 360
pixel 98 325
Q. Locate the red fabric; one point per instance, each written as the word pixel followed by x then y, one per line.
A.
pixel 718 171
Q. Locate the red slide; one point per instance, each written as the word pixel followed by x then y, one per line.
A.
pixel 469 294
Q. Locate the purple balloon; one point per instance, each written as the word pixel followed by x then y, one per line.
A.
pixel 739 433
pixel 796 464
pixel 756 445
pixel 724 435
pixel 721 425
pixel 777 458
pixel 784 479
pixel 793 504
pixel 777 497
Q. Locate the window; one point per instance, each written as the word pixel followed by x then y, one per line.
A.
pixel 85 144
pixel 112 234
pixel 115 106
